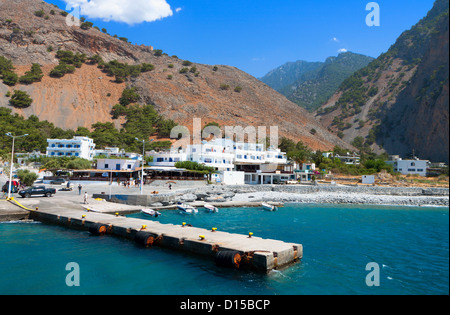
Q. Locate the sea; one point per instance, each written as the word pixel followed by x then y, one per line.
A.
pixel 348 250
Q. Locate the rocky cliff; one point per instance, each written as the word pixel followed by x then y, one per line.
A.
pixel 221 94
pixel 399 103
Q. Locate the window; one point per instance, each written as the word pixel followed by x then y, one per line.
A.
pixel 53 153
pixel 53 145
pixel 159 160
pixel 106 165
pixel 129 166
pixel 413 164
pixel 420 169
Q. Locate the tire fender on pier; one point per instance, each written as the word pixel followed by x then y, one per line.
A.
pixel 98 229
pixel 228 258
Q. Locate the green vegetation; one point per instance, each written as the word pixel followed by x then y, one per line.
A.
pixel 61 70
pixel 7 72
pixel 129 95
pixel 184 70
pixel 86 25
pixel 20 99
pixel 38 132
pixel 39 13
pixel 26 177
pixel 195 167
pixel 10 78
pixel 34 75
pixel 300 153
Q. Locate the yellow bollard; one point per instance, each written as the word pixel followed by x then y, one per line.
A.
pixel 250 235
pixel 213 229
pixel 202 237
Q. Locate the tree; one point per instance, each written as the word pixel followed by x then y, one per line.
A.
pixel 21 99
pixel 129 96
pixel 26 177
pixel 86 25
pixel 10 78
pixel 34 75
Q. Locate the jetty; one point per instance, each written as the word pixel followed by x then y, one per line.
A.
pixel 237 251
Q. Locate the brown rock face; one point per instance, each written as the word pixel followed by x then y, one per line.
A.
pixel 80 99
pixel 405 94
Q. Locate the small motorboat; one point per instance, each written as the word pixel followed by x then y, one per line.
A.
pixel 211 208
pixel 266 206
pixel 187 208
pixel 151 212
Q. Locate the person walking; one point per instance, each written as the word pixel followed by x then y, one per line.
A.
pixel 86 198
pixel 79 189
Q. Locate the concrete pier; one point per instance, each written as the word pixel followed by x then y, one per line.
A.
pixel 253 252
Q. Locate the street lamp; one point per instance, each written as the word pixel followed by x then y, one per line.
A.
pixel 143 163
pixel 9 134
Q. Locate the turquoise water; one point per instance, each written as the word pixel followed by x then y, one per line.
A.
pixel 411 246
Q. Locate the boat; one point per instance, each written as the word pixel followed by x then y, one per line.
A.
pixel 266 206
pixel 186 208
pixel 211 208
pixel 151 212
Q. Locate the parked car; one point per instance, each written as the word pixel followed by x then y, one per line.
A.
pixel 58 181
pixel 36 191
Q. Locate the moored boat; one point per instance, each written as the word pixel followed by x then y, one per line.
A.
pixel 151 212
pixel 211 208
pixel 186 208
pixel 269 207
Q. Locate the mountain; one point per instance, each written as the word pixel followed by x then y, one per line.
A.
pixel 85 72
pixel 318 81
pixel 289 73
pixel 399 103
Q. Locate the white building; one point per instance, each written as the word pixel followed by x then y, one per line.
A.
pixel 81 147
pixel 306 172
pixel 259 165
pixel 368 179
pixel 409 167
pixel 118 164
pixel 117 153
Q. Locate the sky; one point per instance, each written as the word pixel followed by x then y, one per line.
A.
pixel 254 36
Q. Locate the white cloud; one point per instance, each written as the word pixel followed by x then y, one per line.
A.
pixel 335 39
pixel 342 50
pixel 178 9
pixel 126 11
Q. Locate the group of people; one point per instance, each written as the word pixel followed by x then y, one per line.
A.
pixel 85 197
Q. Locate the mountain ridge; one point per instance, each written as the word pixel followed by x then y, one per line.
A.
pixel 316 82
